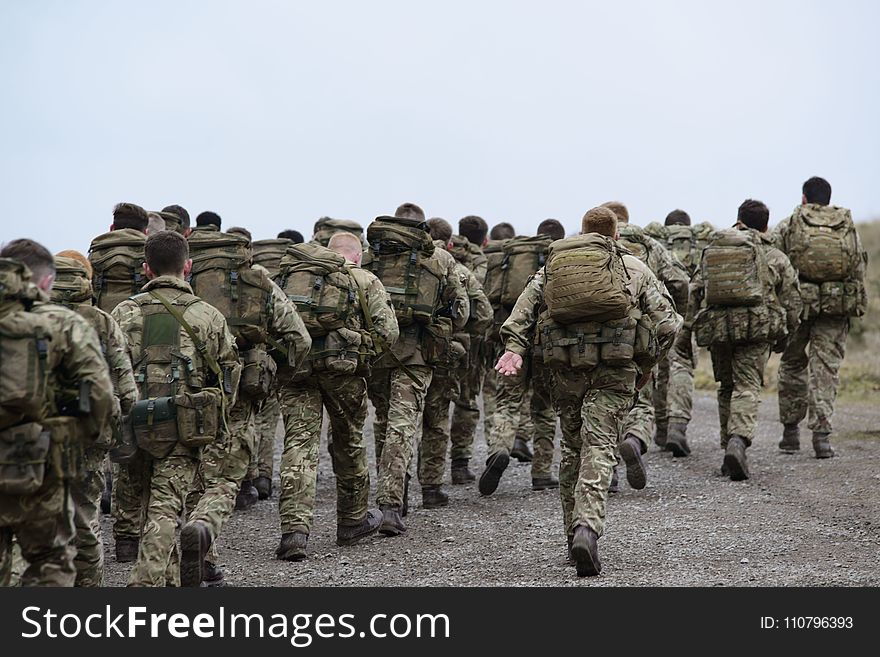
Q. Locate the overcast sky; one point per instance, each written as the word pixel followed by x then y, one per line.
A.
pixel 276 113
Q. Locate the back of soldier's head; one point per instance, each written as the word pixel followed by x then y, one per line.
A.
pixel 678 218
pixel 619 210
pixel 474 228
pixel 244 232
pixel 129 215
pixel 208 218
pixel 293 235
pixel 410 211
pixel 753 214
pixel 440 229
pixel 601 220
pixel 155 223
pixel 347 245
pixel 79 257
pixel 502 231
pixel 817 190
pixel 35 257
pixel 552 229
pixel 166 253
pixel 182 215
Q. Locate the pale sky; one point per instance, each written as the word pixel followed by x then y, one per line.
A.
pixel 276 113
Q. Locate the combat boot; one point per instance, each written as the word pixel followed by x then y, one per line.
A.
pixel 433 497
pixel 264 487
pixel 351 534
pixel 247 496
pixel 735 459
pixel 461 472
pixel 392 521
pixel 521 451
pixel 585 551
pixel 791 439
pixel 631 453
pixel 107 494
pixel 213 575
pixel 676 442
pixel 195 539
pixel 127 549
pixel 496 464
pixel 543 483
pixel 821 445
pixel 293 546
pixel 660 435
pixel 614 486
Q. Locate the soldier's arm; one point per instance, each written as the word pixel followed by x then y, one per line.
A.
pixel 287 326
pixel 456 295
pixel 227 358
pixel 122 373
pixel 518 330
pixel 656 303
pixel 780 235
pixel 673 275
pixel 381 311
pixel 695 299
pixel 788 291
pixel 128 316
pixel 481 309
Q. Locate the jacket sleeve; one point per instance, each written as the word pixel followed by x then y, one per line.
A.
pixel 480 308
pixel 672 274
pixel 121 371
pixel 128 317
pixel 657 305
pixel 287 326
pixel 455 294
pixel 227 356
pixel 788 292
pixel 518 331
pixel 380 309
pixel 780 235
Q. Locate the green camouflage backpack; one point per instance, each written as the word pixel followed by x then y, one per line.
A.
pixel 117 261
pixel 268 254
pixel 326 227
pixel 635 241
pixel 494 252
pixel 400 256
pixel 72 285
pixel 586 280
pixel 466 253
pixel 222 275
pixel 823 246
pixel 734 270
pixel 523 256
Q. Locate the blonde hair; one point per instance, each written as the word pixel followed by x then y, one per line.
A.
pixel 80 258
pixel 600 220
pixel 346 244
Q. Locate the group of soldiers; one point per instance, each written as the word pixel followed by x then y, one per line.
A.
pixel 148 378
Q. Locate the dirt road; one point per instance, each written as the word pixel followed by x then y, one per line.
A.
pixel 796 522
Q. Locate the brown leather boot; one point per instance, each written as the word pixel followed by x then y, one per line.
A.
pixel 822 446
pixel 676 442
pixel 392 521
pixel 195 539
pixel 293 546
pixel 735 459
pixel 791 439
pixel 351 534
pixel 585 551
pixel 433 497
pixel 660 435
pixel 521 451
pixel 631 453
pixel 496 464
pixel 264 487
pixel 614 486
pixel 461 472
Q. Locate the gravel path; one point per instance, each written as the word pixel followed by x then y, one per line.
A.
pixel 797 522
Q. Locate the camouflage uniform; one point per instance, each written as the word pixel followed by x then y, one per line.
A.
pixel 42 523
pixel 591 404
pixel 266 422
pixel 344 397
pixel 809 371
pixel 166 482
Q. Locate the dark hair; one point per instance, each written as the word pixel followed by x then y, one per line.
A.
pixel 410 211
pixel 440 229
pixel 166 252
pixel 238 230
pixel 502 231
pixel 208 218
pixel 294 235
pixel 33 255
pixel 551 228
pixel 181 214
pixel 753 214
pixel 474 228
pixel 817 190
pixel 129 215
pixel 678 218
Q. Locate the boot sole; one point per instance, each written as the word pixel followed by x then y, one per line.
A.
pixel 735 469
pixel 491 476
pixel 290 556
pixel 193 549
pixel 635 469
pixel 825 456
pixel 583 560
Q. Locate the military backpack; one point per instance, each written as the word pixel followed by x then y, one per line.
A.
pixel 326 228
pixel 823 246
pixel 268 254
pixel 117 261
pixel 522 257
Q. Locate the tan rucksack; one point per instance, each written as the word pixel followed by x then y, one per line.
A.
pixel 326 227
pixel 117 261
pixel 734 270
pixel 635 242
pixel 494 252
pixel 268 254
pixel 586 280
pixel 523 256
pixel 823 246
pixel 222 276
pixel 400 256
pixel 72 284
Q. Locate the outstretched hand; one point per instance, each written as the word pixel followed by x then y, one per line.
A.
pixel 509 364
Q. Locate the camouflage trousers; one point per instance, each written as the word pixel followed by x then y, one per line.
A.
pixel 739 371
pixel 523 409
pixel 466 412
pixel 809 372
pixel 166 483
pixel 399 404
pixel 42 525
pixel 86 494
pixel 490 386
pixel 592 406
pixel 639 421
pixel 126 497
pixel 266 427
pixel 345 399
pixel 444 388
pixel 224 466
pixel 674 384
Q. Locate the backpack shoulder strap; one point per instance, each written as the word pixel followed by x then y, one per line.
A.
pixel 200 345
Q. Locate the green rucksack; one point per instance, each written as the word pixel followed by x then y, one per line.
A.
pixel 117 261
pixel 823 245
pixel 72 285
pixel 268 254
pixel 400 256
pixel 222 275
pixel 464 252
pixel 586 280
pixel 734 270
pixel 494 252
pixel 326 227
pixel 523 256
pixel 635 241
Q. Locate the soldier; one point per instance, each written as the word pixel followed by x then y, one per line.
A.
pixel 72 288
pixel 326 227
pixel 293 235
pixel 639 426
pixel 430 305
pixel 824 247
pixel 177 219
pixel 446 382
pixel 57 400
pixel 155 223
pixel 186 359
pixel 590 288
pixel 744 302
pixel 333 380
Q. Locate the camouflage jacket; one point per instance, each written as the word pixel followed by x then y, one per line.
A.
pixel 378 304
pixel 480 313
pixel 664 266
pixel 653 300
pixel 285 324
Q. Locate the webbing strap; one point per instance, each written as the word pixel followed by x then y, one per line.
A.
pixel 199 344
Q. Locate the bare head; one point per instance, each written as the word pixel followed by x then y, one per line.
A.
pixel 410 211
pixel 166 254
pixel 440 229
pixel 551 228
pixel 619 210
pixel 678 218
pixel 155 223
pixel 816 190
pixel 347 245
pixel 182 215
pixel 474 228
pixel 601 220
pixel 35 257
pixel 129 215
pixel 753 214
pixel 502 231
